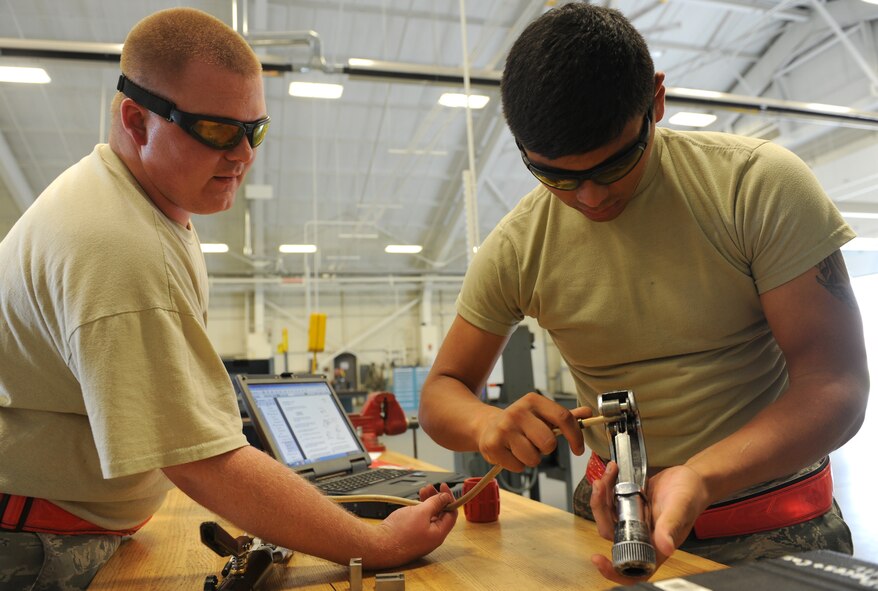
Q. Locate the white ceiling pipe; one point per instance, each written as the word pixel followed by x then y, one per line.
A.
pixel 73 50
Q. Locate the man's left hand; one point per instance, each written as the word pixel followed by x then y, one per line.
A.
pixel 677 496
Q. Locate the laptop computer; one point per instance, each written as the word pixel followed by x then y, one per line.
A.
pixel 302 423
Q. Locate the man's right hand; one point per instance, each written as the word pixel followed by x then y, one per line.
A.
pixel 412 532
pixel 521 434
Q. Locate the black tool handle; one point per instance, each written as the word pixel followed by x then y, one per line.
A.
pixel 220 541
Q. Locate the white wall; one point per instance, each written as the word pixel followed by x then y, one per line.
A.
pixel 352 317
pixel 366 322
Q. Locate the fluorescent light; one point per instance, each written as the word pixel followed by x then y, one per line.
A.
pixel 214 247
pixel 860 215
pixel 25 75
pixel 356 61
pixel 297 248
pixel 830 108
pixel 403 248
pixel 316 90
pixel 861 244
pixel 457 100
pixel 695 92
pixel 357 235
pixel 871 1
pixel 692 119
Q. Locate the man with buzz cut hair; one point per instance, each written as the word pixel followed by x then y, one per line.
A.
pixel 111 393
pixel 700 270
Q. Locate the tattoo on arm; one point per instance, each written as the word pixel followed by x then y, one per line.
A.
pixel 833 275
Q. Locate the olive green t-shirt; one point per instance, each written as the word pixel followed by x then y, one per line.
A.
pixel 664 300
pixel 106 371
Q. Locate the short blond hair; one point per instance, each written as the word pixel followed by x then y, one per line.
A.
pixel 161 45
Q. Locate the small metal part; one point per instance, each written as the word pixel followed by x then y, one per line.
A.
pixel 390 582
pixel 633 553
pixel 356 574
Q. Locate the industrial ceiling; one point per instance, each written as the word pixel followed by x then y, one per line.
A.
pixel 385 163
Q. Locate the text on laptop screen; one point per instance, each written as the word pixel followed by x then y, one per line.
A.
pixel 305 422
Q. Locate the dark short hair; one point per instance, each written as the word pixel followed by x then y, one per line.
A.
pixel 574 78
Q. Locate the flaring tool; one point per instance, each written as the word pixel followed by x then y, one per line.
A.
pixel 250 561
pixel 633 553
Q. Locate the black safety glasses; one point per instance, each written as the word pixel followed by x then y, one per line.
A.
pixel 217 132
pixel 608 172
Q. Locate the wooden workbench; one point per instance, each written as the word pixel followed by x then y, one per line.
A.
pixel 532 547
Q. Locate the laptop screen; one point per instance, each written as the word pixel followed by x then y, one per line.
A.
pixel 304 420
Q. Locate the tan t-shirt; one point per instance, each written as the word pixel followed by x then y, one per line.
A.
pixel 664 300
pixel 106 370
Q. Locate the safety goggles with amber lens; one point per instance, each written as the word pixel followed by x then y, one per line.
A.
pixel 219 133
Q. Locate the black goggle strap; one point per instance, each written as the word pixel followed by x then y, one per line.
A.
pixel 157 105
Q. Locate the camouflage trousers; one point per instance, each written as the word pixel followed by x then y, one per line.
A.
pixel 827 532
pixel 48 562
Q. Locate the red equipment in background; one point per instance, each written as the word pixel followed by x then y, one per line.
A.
pixel 381 414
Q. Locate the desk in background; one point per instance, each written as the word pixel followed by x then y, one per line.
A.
pixel 532 547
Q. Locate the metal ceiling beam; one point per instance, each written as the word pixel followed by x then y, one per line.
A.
pixel 442 238
pixel 857 207
pixel 792 14
pixel 795 37
pixel 12 177
pixel 855 53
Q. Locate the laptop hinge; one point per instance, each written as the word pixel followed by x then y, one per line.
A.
pixel 358 465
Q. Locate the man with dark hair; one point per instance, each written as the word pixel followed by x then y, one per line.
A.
pixel 110 391
pixel 700 270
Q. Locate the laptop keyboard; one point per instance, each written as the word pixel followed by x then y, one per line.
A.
pixel 355 481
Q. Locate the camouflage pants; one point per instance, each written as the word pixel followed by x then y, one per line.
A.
pixel 48 562
pixel 827 532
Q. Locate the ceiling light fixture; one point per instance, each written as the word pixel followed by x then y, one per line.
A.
pixel 403 248
pixel 358 236
pixel 697 93
pixel 297 248
pixel 692 119
pixel 214 247
pixel 316 90
pixel 862 244
pixel 860 215
pixel 458 101
pixel 24 75
pixel 830 108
